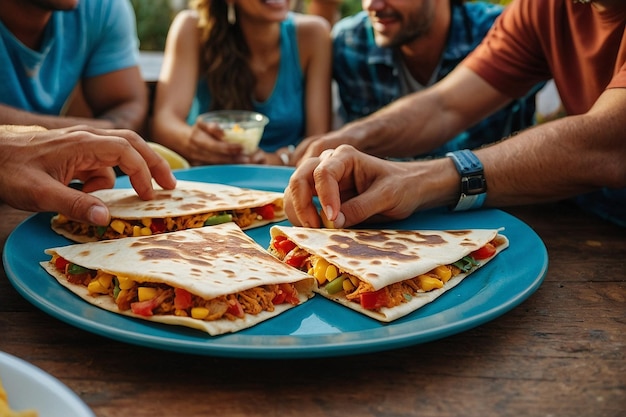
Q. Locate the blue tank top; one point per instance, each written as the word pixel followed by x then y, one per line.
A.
pixel 284 107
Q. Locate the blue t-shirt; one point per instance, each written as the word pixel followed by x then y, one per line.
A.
pixel 369 77
pixel 97 37
pixel 284 107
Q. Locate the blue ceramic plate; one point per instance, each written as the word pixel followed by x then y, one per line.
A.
pixel 317 328
pixel 31 388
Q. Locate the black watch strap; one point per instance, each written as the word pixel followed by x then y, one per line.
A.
pixel 473 183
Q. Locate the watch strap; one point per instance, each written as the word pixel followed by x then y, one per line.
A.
pixel 473 183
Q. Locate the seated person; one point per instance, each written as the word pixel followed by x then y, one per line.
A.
pixel 50 48
pixel 580 45
pixel 259 56
pixel 392 49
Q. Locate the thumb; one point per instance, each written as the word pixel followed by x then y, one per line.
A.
pixel 77 205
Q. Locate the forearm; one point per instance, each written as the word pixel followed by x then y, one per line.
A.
pixel 409 126
pixel 554 161
pixel 129 115
pixel 12 116
pixel 172 132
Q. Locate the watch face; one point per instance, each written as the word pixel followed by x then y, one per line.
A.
pixel 473 184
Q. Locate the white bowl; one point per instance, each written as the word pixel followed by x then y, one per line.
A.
pixel 239 126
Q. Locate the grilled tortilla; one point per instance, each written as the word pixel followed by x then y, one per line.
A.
pixel 190 205
pixel 385 274
pixel 215 279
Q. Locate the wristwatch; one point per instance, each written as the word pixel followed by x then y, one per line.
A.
pixel 473 183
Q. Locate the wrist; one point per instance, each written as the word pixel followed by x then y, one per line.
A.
pixel 473 185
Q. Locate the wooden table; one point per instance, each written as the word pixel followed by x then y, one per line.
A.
pixel 560 353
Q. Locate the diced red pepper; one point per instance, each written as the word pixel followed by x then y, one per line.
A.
pixel 235 308
pixel 157 226
pixel 287 293
pixel 485 252
pixel 375 299
pixel 144 308
pixel 296 258
pixel 279 298
pixel 283 245
pixel 61 263
pixel 182 299
pixel 266 212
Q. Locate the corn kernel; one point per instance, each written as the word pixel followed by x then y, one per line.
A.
pixel 443 272
pixel 428 283
pixel 61 219
pixel 319 270
pixel 118 226
pixel 354 280
pixel 145 231
pixel 146 221
pixel 199 313
pixel 146 293
pixel 105 280
pixel 331 272
pixel 125 283
pixel 136 231
pixel 348 286
pixel 95 287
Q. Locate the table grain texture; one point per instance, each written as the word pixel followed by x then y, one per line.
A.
pixel 562 352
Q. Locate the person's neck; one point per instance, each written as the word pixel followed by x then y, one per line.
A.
pixel 421 56
pixel 25 21
pixel 261 38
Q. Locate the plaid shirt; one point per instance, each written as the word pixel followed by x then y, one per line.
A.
pixel 368 76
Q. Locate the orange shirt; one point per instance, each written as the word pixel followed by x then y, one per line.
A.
pixel 582 48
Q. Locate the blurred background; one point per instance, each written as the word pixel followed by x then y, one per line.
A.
pixel 155 16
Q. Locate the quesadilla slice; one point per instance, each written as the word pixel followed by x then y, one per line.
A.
pixel 190 205
pixel 215 279
pixel 385 274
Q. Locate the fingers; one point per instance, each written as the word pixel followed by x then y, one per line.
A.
pixel 96 179
pixel 207 147
pixel 299 196
pixel 157 166
pixel 55 197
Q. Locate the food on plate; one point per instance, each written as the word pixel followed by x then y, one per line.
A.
pixel 215 279
pixel 385 274
pixel 190 205
pixel 5 409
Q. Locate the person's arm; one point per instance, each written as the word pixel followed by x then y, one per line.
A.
pixel 12 116
pixel 328 9
pixel 549 162
pixel 315 48
pixel 174 96
pixel 416 123
pixel 36 167
pixel 119 98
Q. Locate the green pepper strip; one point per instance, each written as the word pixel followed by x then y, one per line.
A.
pixel 466 263
pixel 76 269
pixel 218 219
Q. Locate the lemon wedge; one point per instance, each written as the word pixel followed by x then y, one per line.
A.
pixel 173 159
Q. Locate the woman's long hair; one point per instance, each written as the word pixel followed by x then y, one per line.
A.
pixel 224 57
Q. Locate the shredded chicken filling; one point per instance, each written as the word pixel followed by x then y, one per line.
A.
pixel 119 228
pixel 163 297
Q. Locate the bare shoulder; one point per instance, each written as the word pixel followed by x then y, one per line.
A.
pixel 311 25
pixel 185 20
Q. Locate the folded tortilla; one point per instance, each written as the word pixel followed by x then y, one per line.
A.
pixel 385 274
pixel 215 279
pixel 191 204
